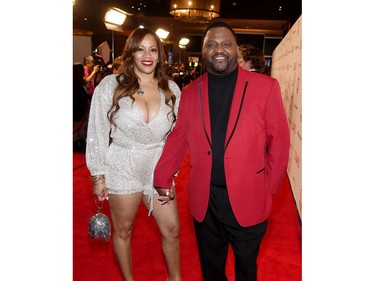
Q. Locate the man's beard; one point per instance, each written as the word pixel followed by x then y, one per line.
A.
pixel 220 68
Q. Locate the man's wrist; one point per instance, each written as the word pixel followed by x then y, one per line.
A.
pixel 162 191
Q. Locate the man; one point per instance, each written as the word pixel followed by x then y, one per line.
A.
pixel 234 124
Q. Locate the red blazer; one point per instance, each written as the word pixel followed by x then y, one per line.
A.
pixel 256 147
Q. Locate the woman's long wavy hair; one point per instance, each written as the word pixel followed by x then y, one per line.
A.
pixel 128 80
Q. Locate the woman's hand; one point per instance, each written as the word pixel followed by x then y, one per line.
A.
pixel 99 189
pixel 166 194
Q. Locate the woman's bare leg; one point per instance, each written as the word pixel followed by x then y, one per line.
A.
pixel 123 212
pixel 167 220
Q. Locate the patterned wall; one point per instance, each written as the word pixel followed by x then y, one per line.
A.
pixel 287 69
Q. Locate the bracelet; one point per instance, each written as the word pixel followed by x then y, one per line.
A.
pixel 96 178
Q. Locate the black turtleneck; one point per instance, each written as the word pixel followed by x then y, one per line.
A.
pixel 220 93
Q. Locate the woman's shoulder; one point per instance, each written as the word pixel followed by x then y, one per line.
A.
pixel 109 82
pixel 106 87
pixel 174 87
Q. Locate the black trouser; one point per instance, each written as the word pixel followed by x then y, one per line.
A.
pixel 218 229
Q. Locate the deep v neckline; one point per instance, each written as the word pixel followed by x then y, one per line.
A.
pixel 153 118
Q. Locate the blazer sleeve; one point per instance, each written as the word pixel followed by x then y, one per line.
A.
pixel 278 138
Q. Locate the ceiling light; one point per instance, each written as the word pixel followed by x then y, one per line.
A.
pixel 201 11
pixel 184 41
pixel 163 34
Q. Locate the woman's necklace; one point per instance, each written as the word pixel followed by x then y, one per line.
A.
pixel 140 92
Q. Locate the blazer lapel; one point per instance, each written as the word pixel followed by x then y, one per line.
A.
pixel 236 107
pixel 204 104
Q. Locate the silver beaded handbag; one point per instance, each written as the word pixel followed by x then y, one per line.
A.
pixel 100 225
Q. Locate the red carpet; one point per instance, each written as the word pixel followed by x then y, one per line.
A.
pixel 279 259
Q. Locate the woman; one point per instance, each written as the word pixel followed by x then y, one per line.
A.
pixel 137 109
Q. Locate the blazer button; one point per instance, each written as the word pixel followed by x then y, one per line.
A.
pixel 208 152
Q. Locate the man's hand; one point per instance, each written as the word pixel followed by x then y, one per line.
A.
pixel 166 194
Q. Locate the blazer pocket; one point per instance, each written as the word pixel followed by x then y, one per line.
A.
pixel 261 170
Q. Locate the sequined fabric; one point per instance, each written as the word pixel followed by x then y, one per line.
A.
pixel 100 227
pixel 129 161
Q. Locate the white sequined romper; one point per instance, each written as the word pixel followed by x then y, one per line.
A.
pixel 129 161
